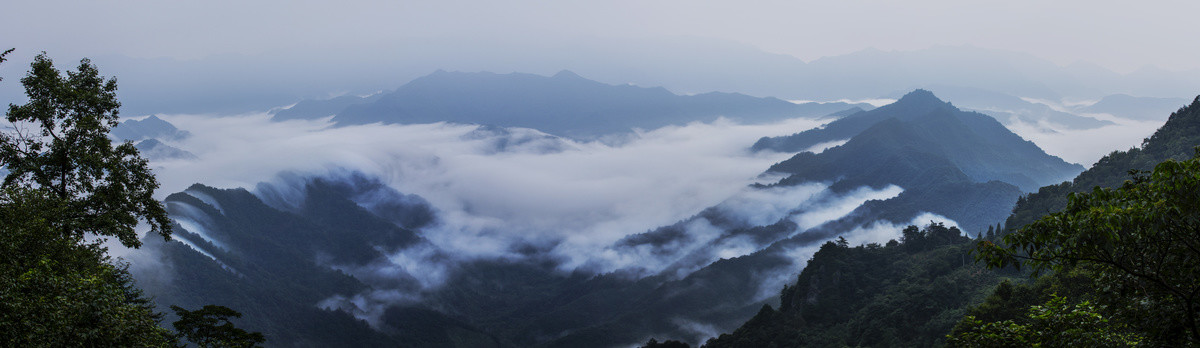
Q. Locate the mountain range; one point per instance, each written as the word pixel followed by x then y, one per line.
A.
pixel 346 260
pixel 565 104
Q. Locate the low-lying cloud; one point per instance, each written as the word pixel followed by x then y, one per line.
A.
pixel 579 196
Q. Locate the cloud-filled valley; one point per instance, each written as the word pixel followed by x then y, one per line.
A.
pixel 588 195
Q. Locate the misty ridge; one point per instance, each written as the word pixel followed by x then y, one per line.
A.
pixel 489 196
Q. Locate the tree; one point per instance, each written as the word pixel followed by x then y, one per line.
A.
pixel 210 327
pixel 102 189
pixel 65 180
pixel 1141 241
pixel 1053 324
pixel 56 292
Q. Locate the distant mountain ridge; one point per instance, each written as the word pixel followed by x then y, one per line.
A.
pixel 565 104
pixel 1136 108
pixel 150 127
pixel 1176 139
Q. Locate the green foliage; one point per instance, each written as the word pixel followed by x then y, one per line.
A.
pixel 67 182
pixel 210 327
pixel 104 190
pixel 57 291
pixel 1053 324
pixel 1139 239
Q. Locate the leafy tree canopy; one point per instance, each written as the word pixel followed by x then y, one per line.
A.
pixel 1140 241
pixel 59 143
pixel 1053 324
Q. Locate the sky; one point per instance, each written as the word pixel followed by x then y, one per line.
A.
pixel 1120 35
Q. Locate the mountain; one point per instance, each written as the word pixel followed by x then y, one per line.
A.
pixel 874 295
pixel 1135 108
pixel 155 150
pixel 150 127
pixel 346 251
pixel 905 151
pixel 975 143
pixel 564 104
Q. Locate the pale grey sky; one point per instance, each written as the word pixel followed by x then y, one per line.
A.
pixel 1120 35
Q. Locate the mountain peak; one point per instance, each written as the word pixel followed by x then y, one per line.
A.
pixel 920 97
pixel 567 74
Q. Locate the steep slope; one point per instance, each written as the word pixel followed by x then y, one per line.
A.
pixel 975 143
pixel 564 104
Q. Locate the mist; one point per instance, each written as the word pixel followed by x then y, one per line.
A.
pixel 584 197
pixel 1087 146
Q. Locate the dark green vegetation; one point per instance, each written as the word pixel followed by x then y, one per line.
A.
pixel 565 105
pixel 906 294
pixel 66 190
pixel 1138 241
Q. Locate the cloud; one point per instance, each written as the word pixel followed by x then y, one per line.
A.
pixel 581 196
pixel 1088 145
